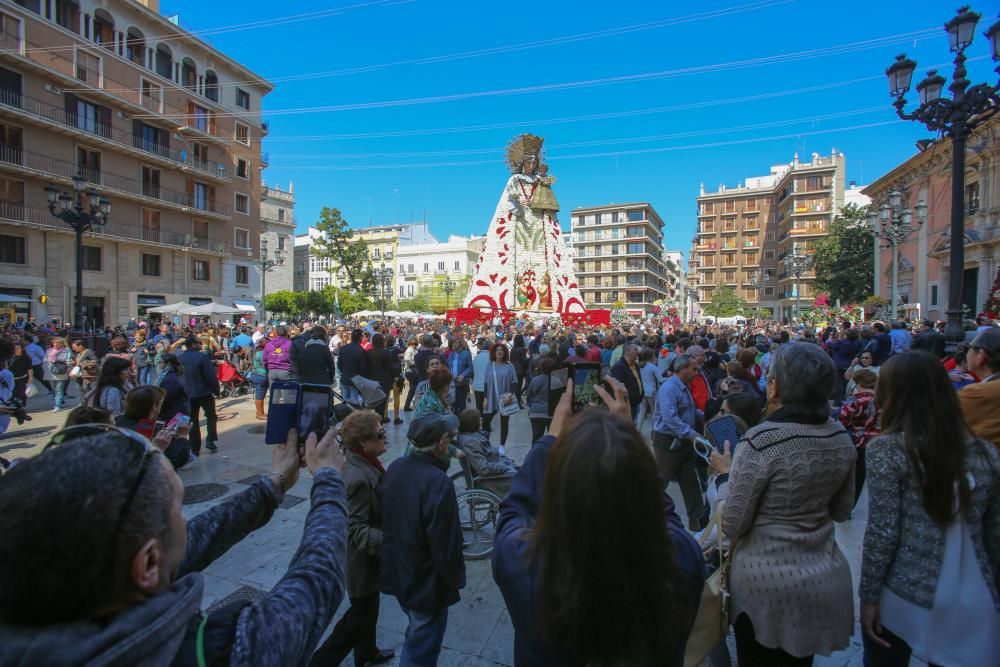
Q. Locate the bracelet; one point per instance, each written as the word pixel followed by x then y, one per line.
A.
pixel 280 479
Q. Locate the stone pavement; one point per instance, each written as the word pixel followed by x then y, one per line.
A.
pixel 479 629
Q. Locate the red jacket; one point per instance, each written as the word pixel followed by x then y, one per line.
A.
pixel 700 391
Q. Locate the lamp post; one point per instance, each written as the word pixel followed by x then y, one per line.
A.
pixel 894 224
pixel 267 264
pixel 797 265
pixel 955 117
pixel 83 210
pixel 755 284
pixel 383 280
pixel 447 286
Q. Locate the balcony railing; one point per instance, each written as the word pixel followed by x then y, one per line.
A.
pixel 39 217
pixel 131 93
pixel 50 112
pixel 17 156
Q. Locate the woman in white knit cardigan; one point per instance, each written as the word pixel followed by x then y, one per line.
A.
pixel 790 478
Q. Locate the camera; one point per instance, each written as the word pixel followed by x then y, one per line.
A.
pixel 20 412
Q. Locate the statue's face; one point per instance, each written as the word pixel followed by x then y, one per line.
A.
pixel 530 164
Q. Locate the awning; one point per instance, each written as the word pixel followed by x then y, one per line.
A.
pixel 245 305
pixel 10 298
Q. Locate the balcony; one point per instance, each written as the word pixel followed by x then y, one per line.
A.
pixel 55 60
pixel 727 247
pixel 15 158
pixel 705 246
pixel 730 229
pixel 50 114
pixel 19 214
pixel 821 207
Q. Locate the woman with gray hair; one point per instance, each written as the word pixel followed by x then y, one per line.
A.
pixel 790 478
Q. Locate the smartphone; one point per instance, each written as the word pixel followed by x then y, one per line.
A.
pixel 283 411
pixel 558 379
pixel 721 429
pixel 314 410
pixel 586 378
pixel 158 426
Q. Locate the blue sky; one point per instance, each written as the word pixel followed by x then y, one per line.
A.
pixel 734 120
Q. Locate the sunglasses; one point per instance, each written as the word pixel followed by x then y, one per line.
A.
pixel 71 433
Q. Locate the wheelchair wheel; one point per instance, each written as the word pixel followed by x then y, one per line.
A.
pixel 478 511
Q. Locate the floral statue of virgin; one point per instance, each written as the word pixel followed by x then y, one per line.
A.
pixel 524 264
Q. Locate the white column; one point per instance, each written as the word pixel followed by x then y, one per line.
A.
pixel 919 289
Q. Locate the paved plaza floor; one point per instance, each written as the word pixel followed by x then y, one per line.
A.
pixel 479 629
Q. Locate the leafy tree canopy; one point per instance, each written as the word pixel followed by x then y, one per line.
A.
pixel 337 242
pixel 844 263
pixel 725 303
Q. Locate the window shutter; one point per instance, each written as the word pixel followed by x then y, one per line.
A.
pixel 71 109
pixel 104 118
pixel 190 192
pixel 211 124
pixel 211 198
pixel 190 113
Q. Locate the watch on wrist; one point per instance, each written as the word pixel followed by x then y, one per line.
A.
pixel 278 479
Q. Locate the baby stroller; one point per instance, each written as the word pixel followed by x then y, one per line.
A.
pixel 373 397
pixel 231 382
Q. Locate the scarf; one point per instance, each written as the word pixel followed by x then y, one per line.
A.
pixel 373 460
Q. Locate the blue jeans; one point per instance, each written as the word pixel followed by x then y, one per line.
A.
pixel 146 375
pixel 424 635
pixel 60 388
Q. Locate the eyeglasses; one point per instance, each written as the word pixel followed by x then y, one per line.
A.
pixel 72 433
pixel 381 435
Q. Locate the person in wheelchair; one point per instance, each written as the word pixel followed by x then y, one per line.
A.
pixel 484 459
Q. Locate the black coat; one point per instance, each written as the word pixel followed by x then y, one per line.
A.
pixel 315 363
pixel 929 341
pixel 422 563
pixel 380 367
pixel 176 400
pixel 353 361
pixel 199 374
pixel 624 374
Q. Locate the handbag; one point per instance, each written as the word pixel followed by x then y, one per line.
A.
pixel 59 367
pixel 508 406
pixel 711 625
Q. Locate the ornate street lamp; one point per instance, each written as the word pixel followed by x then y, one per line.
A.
pixel 83 210
pixel 797 265
pixel 955 117
pixel 755 285
pixel 894 224
pixel 383 281
pixel 447 286
pixel 267 264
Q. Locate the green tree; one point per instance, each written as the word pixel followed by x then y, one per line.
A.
pixel 845 267
pixel 348 302
pixel 417 304
pixel 337 242
pixel 725 303
pixel 282 302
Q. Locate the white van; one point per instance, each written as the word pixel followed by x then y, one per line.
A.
pixel 734 321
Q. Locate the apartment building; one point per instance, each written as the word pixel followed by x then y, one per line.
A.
pixel 423 269
pixel 745 233
pixel 673 263
pixel 618 256
pixel 163 125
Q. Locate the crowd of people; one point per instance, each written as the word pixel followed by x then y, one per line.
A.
pixel 594 563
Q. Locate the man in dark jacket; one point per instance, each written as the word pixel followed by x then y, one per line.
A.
pixel 353 361
pixel 883 344
pixel 202 386
pixel 428 349
pixel 626 371
pixel 929 340
pixel 315 362
pixel 422 563
pixel 71 603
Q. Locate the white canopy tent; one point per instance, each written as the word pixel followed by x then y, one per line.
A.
pixel 170 308
pixel 210 309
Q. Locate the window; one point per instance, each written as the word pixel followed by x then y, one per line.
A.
pixel 200 154
pixel 636 248
pixel 68 15
pixel 152 95
pixel 242 238
pixel 934 295
pixel 769 236
pixel 12 249
pixel 243 170
pixel 151 182
pixel 199 118
pixel 281 242
pixel 972 198
pixel 242 275
pixel 88 117
pixel 281 215
pixel 11 144
pixel 88 67
pixel 150 139
pixel 458 263
pixel 440 266
pixel 150 225
pixel 427 267
pixel 91 258
pixel 242 99
pixel 200 229
pixel 88 163
pixel 751 204
pixel 242 203
pixel 243 134
pixel 768 291
pixel 201 192
pixel 150 264
pixel 636 216
pixel 768 254
pixel 199 269
pixel 409 268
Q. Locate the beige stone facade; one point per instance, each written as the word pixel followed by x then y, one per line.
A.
pixel 163 125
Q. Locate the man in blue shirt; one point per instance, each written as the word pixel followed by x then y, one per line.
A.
pixel 900 337
pixel 674 419
pixel 37 355
pixel 243 339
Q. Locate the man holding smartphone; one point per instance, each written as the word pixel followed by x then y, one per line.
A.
pixel 673 435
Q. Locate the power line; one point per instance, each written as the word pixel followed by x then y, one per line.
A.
pixel 588 83
pixel 509 48
pixel 598 142
pixel 637 151
pixel 252 25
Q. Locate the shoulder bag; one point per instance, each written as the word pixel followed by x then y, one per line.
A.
pixel 507 405
pixel 711 625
